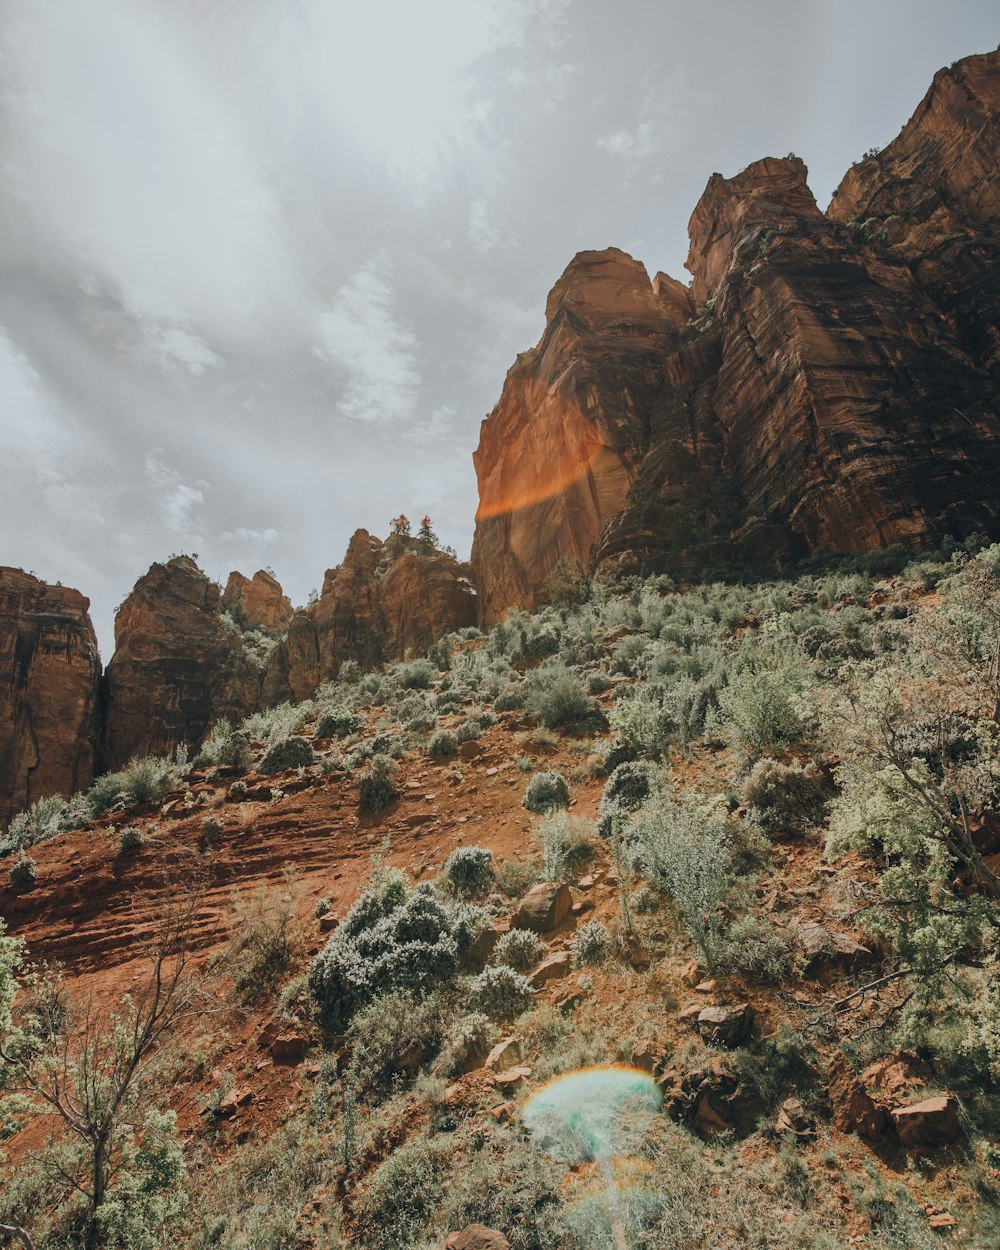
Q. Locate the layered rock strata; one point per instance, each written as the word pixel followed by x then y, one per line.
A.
pixel 49 680
pixel 828 380
pixel 384 602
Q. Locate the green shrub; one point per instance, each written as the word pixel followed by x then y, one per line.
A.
pixel 643 720
pixel 377 783
pixel 593 944
pixel 287 754
pixel 106 794
pixel 338 722
pixel 546 792
pixel 417 675
pixel 500 992
pixel 237 791
pixel 557 696
pixel 759 709
pixel 23 872
pixel 756 949
pixel 511 697
pixel 130 838
pixel 469 730
pixel 388 940
pixel 397 1204
pixel 784 796
pixel 146 779
pixel 211 827
pixel 260 949
pixel 442 745
pixel 519 949
pixel 628 787
pixel 566 845
pixel 469 870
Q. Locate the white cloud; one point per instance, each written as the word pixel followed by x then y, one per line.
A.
pixel 637 144
pixel 175 498
pixel 243 535
pixel 484 231
pixel 374 350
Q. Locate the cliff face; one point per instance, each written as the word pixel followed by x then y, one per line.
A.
pixel 177 668
pixel 49 678
pixel 257 602
pixel 829 380
pixel 386 600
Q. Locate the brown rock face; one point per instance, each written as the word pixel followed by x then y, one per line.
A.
pixel 829 380
pixel 49 680
pixel 386 601
pixel 177 668
pixel 257 602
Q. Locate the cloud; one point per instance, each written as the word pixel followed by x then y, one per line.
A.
pixel 636 144
pixel 485 232
pixel 174 497
pixel 373 349
pixel 242 535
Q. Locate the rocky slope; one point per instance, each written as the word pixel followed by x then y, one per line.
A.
pixel 384 602
pixel 177 667
pixel 829 380
pixel 49 677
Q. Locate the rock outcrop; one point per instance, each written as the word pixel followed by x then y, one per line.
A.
pixel 828 381
pixel 178 666
pixel 49 680
pixel 384 602
pixel 257 602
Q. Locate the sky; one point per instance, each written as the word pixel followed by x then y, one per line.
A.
pixel 265 263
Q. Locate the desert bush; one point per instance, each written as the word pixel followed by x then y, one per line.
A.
pixel 756 949
pixel 130 838
pixel 260 950
pixel 469 870
pixel 23 872
pixel 390 939
pixel 469 730
pixel 416 675
pixel 106 794
pixel 566 845
pixel 237 791
pixel 338 722
pixel 289 753
pixel 398 1202
pixel 514 877
pixel 598 682
pixel 519 949
pixel 41 821
pixel 686 847
pixel 558 697
pixel 546 792
pixel 628 787
pixel 276 723
pixel 147 778
pixel 377 783
pixel 392 1033
pixel 784 796
pixel 323 907
pixel 211 827
pixel 761 713
pixel 500 992
pixel 643 720
pixel 593 944
pixel 510 698
pixel 442 744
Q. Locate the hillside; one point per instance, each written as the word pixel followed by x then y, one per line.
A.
pixel 730 755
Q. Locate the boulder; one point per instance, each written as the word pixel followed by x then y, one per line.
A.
pixel 544 907
pixel 505 1053
pixel 793 1118
pixel 825 948
pixel 553 968
pixel 725 1026
pixel 932 1122
pixel 477 1237
pixel 854 1109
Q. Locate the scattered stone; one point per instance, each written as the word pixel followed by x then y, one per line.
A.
pixel 511 1079
pixel 469 750
pixel 793 1118
pixel 725 1026
pixel 229 1103
pixel 706 987
pixel 582 905
pixel 289 1047
pixel 553 968
pixel 587 883
pixel 507 1051
pixel 544 907
pixel 930 1123
pixel 690 974
pixel 825 948
pixel 477 1237
pixel 854 1109
pixel 328 923
pixel 503 1112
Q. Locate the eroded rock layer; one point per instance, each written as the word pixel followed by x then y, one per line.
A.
pixel 178 666
pixel 49 679
pixel 257 602
pixel 384 602
pixel 828 380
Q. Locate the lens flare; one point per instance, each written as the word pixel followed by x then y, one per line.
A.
pixel 590 1116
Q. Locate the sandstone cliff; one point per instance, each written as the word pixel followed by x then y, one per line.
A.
pixel 384 602
pixel 257 602
pixel 829 380
pixel 49 678
pixel 177 667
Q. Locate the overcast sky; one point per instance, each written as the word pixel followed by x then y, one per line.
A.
pixel 265 263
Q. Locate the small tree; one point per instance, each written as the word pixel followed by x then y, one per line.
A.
pixel 91 1071
pixel 426 533
pixel 401 525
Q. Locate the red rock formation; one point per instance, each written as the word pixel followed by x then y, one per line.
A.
pixel 178 666
pixel 257 602
pixel 828 381
pixel 49 678
pixel 386 601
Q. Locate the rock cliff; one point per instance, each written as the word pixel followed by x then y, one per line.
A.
pixel 49 678
pixel 828 380
pixel 178 666
pixel 384 602
pixel 257 602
